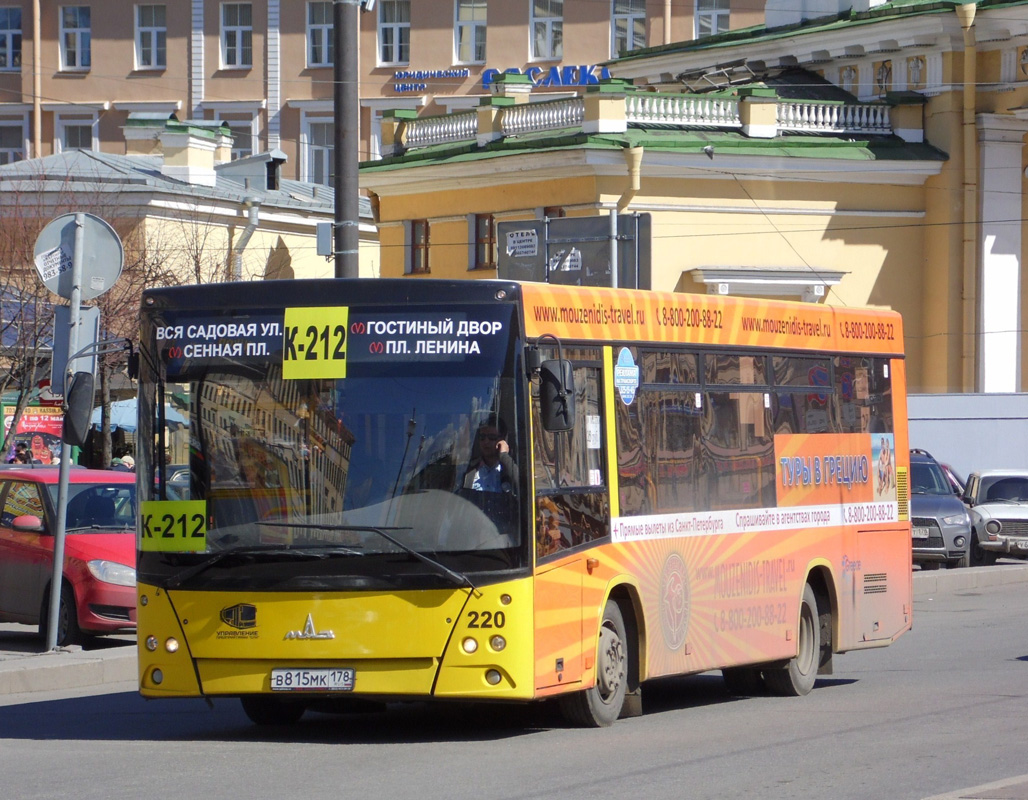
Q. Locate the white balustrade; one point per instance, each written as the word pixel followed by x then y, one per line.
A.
pixel 682 110
pixel 425 131
pixel 833 117
pixel 553 115
pixel 672 111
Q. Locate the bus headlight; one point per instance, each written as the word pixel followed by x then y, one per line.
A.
pixel 492 677
pixel 151 643
pixel 469 645
pixel 497 643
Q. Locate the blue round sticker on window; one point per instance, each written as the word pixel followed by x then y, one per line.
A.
pixel 626 376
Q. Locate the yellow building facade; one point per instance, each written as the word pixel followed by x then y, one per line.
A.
pixel 877 160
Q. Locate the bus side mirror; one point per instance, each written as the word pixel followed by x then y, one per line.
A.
pixel 78 409
pixel 557 395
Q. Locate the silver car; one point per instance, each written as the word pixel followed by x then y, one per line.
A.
pixel 940 527
pixel 998 501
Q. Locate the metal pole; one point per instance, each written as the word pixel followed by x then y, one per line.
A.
pixel 346 153
pixel 57 579
pixel 614 247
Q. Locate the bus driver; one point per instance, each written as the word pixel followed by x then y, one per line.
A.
pixel 492 469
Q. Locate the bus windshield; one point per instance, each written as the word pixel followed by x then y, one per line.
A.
pixel 364 475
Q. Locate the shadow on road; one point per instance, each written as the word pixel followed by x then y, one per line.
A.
pixel 126 716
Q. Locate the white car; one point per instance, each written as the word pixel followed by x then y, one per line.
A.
pixel 998 502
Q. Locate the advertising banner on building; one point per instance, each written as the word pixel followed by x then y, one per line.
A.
pixel 39 428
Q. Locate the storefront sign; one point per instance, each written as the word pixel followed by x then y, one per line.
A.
pixel 416 81
pixel 584 75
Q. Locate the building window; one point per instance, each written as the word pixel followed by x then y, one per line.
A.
pixel 418 263
pixel 711 17
pixel 547 24
pixel 242 132
pixel 237 35
pixel 75 132
pixel 75 37
pixel 10 38
pixel 469 32
pixel 319 35
pixel 394 32
pixel 319 153
pixel 627 26
pixel 151 37
pixel 12 143
pixel 484 235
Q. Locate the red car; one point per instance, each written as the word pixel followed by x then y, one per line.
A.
pixel 98 594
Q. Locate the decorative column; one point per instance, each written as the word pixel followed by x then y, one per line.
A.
pixel 1000 143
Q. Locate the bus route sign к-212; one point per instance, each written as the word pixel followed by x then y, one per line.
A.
pixel 314 344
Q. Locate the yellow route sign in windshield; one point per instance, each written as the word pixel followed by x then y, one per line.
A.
pixel 173 526
pixel 314 343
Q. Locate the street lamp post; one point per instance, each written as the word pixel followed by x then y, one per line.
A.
pixel 346 153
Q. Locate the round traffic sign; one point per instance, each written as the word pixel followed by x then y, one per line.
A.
pixel 102 256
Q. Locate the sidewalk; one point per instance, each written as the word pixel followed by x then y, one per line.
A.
pixel 24 669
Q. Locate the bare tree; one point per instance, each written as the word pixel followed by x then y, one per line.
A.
pixel 189 241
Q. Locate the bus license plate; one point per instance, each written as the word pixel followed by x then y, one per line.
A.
pixel 920 533
pixel 312 680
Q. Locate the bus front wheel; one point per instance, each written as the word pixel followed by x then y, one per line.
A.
pixel 601 705
pixel 797 677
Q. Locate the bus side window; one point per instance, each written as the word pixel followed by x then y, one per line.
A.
pixel 863 395
pixel 738 447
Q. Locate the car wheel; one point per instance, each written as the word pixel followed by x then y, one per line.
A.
pixel 68 631
pixel 977 556
pixel 960 563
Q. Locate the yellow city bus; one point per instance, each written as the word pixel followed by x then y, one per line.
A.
pixel 500 491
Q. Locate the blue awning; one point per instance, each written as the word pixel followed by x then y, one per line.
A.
pixel 123 416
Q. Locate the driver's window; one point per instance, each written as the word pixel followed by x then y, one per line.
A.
pixel 22 498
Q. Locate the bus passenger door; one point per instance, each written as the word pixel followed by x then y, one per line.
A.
pixel 572 511
pixel 558 625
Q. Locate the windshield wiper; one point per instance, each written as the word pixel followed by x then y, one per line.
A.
pixel 308 553
pixel 457 577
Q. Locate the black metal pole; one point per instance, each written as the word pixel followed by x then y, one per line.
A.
pixel 346 153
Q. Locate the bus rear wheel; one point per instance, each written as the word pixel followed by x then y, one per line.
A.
pixel 601 705
pixel 264 710
pixel 797 677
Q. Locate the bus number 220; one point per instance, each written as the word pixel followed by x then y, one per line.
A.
pixel 487 619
